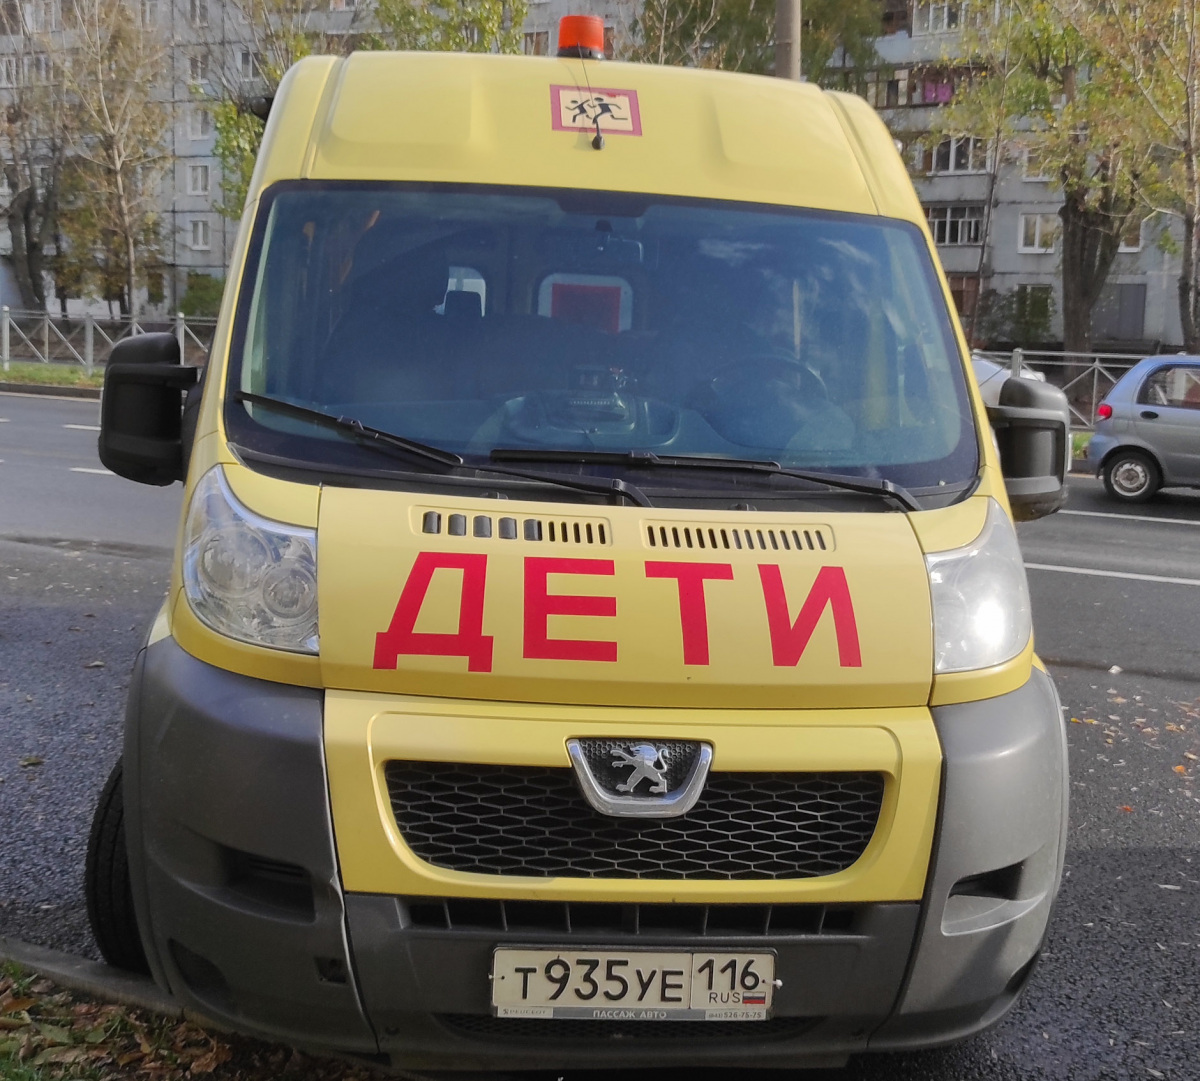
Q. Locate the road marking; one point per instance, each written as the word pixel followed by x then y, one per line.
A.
pixel 3 420
pixel 83 427
pixel 1114 574
pixel 84 469
pixel 1125 517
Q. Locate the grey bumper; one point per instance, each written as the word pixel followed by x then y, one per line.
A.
pixel 241 910
pixel 998 857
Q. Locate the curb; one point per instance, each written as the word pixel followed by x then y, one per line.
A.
pixel 91 977
pixel 50 391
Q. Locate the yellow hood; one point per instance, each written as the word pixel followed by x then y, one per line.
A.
pixel 505 600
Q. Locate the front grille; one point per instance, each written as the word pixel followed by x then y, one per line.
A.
pixel 528 820
pixel 618 920
pixel 483 1027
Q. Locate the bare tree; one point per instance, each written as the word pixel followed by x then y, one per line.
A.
pixel 112 79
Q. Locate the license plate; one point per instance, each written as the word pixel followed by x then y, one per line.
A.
pixel 633 985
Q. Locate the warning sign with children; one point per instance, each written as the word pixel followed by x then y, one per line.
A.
pixel 595 109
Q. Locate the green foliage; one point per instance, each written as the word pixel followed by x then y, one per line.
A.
pixel 92 260
pixel 238 137
pixel 739 35
pixel 203 296
pixel 465 26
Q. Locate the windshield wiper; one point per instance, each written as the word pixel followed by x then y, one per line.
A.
pixel 351 427
pixel 379 440
pixel 645 459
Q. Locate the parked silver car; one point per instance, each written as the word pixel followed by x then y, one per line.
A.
pixel 1147 433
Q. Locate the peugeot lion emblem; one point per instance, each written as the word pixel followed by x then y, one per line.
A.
pixel 641 778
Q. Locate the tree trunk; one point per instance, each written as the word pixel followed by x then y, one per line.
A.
pixel 1187 281
pixel 17 220
pixel 1091 236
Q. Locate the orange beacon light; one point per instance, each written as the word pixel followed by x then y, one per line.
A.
pixel 581 36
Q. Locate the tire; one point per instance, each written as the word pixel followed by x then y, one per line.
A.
pixel 1131 476
pixel 106 883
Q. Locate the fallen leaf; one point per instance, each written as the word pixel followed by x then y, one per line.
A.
pixel 1118 700
pixel 1181 769
pixel 1076 720
pixel 31 760
pixel 1168 886
pixel 15 1005
pixel 94 664
pixel 1115 670
pixel 1125 807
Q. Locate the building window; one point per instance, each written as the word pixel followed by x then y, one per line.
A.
pixel 960 223
pixel 198 180
pixel 247 64
pixel 958 154
pixel 201 235
pixel 1032 167
pixel 198 12
pixel 1131 236
pixel 199 122
pixel 934 85
pixel 1038 234
pixel 1034 305
pixel 149 13
pixel 537 43
pixel 935 16
pixel 342 5
pixel 964 288
pixel 610 41
pixel 886 90
pixel 8 71
pixel 1120 313
pixel 198 67
pixel 37 69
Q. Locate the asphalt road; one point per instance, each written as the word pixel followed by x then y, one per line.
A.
pixel 84 559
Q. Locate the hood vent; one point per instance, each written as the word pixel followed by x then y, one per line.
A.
pixel 573 531
pixel 759 538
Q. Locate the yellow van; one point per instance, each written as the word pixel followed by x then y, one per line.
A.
pixel 598 634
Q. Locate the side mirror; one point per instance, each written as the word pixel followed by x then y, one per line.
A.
pixel 1033 431
pixel 141 409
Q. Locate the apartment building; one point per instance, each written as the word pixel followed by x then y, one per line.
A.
pixel 996 223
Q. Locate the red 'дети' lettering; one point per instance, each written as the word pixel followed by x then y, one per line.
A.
pixel 693 614
pixel 788 639
pixel 540 604
pixel 469 641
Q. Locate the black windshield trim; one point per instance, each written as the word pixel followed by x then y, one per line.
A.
pixel 643 459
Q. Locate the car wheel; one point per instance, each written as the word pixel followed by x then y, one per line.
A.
pixel 106 882
pixel 1131 476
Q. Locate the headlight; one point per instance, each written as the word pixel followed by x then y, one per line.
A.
pixel 247 577
pixel 980 597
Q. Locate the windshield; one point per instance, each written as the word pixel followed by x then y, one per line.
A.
pixel 477 320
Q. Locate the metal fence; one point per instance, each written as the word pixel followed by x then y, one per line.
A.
pixel 43 338
pixel 1085 378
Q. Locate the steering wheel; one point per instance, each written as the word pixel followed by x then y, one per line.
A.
pixel 773 366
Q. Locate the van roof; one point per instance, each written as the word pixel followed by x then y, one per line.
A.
pixel 529 121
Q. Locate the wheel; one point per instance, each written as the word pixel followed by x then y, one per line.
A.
pixel 1131 476
pixel 106 883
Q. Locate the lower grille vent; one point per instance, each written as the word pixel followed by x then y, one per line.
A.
pixel 483 1027
pixel 586 919
pixel 528 820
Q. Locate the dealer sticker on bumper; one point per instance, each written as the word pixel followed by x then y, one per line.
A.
pixel 631 985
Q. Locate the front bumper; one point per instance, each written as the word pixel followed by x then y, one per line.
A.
pixel 241 903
